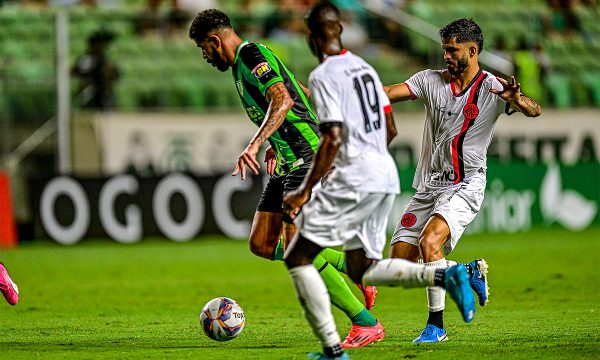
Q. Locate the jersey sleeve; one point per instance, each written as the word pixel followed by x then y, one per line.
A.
pixel 262 64
pixel 327 101
pixel 417 84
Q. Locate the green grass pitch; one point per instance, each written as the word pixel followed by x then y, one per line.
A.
pixel 102 300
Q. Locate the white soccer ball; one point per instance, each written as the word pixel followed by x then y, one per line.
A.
pixel 222 319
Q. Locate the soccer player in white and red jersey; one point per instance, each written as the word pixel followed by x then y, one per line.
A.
pixel 352 207
pixel 462 105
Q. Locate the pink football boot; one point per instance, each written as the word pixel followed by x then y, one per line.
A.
pixel 8 288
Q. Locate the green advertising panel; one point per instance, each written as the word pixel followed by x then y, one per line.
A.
pixel 521 195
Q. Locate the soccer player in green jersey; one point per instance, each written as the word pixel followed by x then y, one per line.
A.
pixel 277 103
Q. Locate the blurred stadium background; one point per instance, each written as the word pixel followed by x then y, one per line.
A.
pixel 156 160
pixel 153 167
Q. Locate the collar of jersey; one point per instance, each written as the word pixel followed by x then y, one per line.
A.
pixel 344 51
pixel 239 48
pixel 464 91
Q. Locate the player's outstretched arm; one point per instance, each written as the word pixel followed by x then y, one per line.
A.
pixel 280 102
pixel 511 93
pixel 397 92
pixel 331 139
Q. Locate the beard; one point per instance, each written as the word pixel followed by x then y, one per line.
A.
pixel 220 64
pixel 461 66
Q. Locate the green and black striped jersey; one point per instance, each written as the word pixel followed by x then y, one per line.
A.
pixel 255 68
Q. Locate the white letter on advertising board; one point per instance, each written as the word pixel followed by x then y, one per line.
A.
pixel 131 231
pixel 187 187
pixel 65 234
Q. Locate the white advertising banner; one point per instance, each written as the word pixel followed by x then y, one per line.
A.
pixel 157 143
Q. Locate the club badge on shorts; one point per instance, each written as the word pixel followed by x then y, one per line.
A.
pixel 408 220
pixel 470 111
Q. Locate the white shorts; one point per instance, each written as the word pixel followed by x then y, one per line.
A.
pixel 457 204
pixel 356 220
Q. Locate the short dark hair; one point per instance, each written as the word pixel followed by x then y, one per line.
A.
pixel 206 21
pixel 315 16
pixel 464 30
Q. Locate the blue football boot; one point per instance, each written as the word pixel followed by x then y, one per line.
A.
pixel 479 282
pixel 458 285
pixel 432 333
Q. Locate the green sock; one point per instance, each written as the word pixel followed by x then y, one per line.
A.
pixel 341 295
pixel 364 318
pixel 336 258
pixel 279 250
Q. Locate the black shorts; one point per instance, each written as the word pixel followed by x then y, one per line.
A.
pixel 271 199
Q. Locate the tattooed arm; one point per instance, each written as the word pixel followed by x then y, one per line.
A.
pixel 527 106
pixel 280 103
pixel 511 93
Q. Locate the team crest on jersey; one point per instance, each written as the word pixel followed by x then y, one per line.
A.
pixel 470 111
pixel 261 69
pixel 240 87
pixel 408 220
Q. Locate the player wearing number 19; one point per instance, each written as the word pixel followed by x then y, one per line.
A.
pixel 352 207
pixel 277 103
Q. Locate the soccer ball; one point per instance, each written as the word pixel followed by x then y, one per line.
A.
pixel 222 319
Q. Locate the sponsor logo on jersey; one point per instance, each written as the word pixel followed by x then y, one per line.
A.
pixel 470 111
pixel 240 87
pixel 408 220
pixel 442 177
pixel 254 114
pixel 261 69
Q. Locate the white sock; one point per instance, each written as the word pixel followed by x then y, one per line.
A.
pixel 314 299
pixel 399 272
pixel 436 296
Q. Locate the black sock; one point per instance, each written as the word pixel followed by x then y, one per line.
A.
pixel 333 351
pixel 436 318
pixel 439 278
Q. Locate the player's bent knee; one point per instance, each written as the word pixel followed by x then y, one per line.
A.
pixel 430 245
pixel 404 250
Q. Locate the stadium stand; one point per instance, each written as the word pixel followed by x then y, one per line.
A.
pixel 167 72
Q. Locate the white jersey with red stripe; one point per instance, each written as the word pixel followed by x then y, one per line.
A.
pixel 347 91
pixel 458 126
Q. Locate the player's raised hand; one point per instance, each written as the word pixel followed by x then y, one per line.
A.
pixel 247 158
pixel 511 92
pixel 271 160
pixel 293 201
